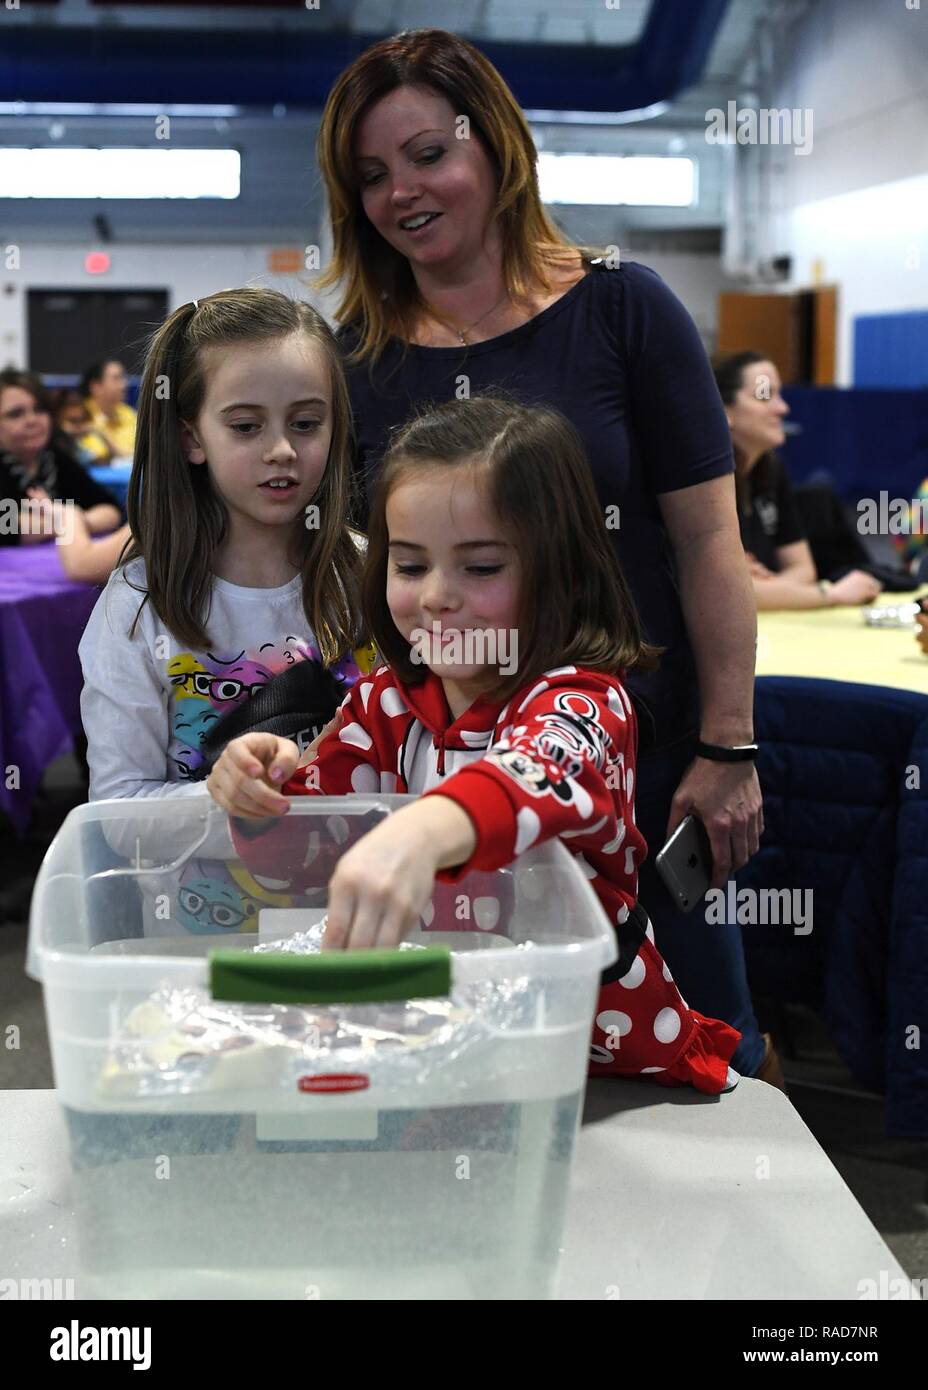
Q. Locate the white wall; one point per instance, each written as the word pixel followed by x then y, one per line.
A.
pixel 862 68
pixel 696 279
pixel 854 211
pixel 186 272
pixel 872 243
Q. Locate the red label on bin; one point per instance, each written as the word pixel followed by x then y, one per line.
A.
pixel 335 1081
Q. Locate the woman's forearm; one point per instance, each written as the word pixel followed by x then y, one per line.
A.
pixel 75 550
pixel 785 591
pixel 104 517
pixel 802 572
pixel 721 619
pixel 87 560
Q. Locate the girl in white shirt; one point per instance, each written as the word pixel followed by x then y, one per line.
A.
pixel 242 563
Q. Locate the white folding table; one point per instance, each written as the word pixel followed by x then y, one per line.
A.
pixel 674 1196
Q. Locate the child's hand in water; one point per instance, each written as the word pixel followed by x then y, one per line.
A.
pixel 382 884
pixel 249 773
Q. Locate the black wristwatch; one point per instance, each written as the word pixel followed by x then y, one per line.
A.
pixel 741 753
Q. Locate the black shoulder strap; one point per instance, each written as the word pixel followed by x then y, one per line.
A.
pixel 305 696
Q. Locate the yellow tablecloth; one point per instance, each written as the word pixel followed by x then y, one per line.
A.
pixel 834 644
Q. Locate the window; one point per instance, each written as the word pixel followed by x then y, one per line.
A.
pixel 632 180
pixel 119 173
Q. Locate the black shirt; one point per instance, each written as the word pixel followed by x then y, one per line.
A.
pixel 773 518
pixel 619 356
pixel 59 474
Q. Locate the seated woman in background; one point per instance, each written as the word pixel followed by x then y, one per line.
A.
pixel 779 558
pixel 72 418
pixel 104 386
pixel 37 466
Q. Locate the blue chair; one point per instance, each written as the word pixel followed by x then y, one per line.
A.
pixel 844 772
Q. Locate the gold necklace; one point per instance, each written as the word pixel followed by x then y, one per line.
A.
pixel 462 331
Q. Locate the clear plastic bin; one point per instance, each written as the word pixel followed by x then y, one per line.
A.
pixel 341 1140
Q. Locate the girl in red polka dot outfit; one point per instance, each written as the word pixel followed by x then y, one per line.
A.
pixel 487 541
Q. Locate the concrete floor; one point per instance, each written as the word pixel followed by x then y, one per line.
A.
pixel 889 1178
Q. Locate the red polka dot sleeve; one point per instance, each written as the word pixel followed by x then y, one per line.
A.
pixel 563 766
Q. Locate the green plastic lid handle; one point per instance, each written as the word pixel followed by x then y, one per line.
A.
pixel 331 977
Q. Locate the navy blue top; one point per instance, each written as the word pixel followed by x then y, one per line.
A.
pixel 774 519
pixel 619 356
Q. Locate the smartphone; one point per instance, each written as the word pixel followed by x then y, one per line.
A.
pixel 685 864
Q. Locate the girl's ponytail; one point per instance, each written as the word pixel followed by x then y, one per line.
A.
pixel 176 519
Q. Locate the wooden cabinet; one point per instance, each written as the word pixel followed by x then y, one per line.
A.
pixel 795 329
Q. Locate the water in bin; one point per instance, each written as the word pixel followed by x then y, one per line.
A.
pixel 212 1156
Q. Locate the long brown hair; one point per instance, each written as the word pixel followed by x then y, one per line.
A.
pixel 729 370
pixel 574 605
pixel 380 292
pixel 177 518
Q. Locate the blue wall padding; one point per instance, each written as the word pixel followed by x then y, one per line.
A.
pixel 891 349
pixel 865 441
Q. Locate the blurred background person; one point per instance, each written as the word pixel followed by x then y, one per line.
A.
pixel 779 557
pixel 104 387
pixel 37 464
pixel 913 545
pixel 72 418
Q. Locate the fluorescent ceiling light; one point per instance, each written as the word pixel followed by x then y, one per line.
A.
pixel 536 116
pixel 60 172
pixel 109 108
pixel 631 180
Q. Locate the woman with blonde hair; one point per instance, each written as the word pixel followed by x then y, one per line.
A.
pixel 454 281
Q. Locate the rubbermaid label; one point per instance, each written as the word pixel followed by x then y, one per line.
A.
pixel 335 1081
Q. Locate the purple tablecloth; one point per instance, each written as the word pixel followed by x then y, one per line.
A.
pixel 42 617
